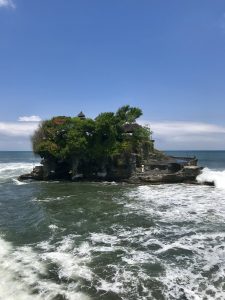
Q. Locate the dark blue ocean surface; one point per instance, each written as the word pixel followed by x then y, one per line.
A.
pixel 108 241
pixel 18 156
pixel 209 159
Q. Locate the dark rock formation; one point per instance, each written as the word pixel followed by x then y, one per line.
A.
pixel 187 174
pixel 36 174
pixel 154 171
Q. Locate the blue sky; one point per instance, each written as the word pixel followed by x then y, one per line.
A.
pixel 167 57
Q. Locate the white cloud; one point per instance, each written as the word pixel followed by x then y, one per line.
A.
pixel 17 135
pixel 17 129
pixel 185 128
pixel 187 135
pixel 7 3
pixel 29 119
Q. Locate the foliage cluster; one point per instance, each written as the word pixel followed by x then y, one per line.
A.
pixel 63 138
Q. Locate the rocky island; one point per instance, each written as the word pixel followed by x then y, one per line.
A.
pixel 111 147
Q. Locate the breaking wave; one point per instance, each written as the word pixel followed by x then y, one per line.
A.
pixel 8 171
pixel 211 176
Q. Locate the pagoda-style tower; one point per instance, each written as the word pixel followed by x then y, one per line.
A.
pixel 81 115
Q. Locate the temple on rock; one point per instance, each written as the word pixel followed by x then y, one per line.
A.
pixel 113 146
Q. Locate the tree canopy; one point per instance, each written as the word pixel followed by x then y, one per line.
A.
pixel 92 139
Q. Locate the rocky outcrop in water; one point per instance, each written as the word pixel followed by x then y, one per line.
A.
pixel 111 147
pixel 171 170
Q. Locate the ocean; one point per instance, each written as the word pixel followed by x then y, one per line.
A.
pixel 110 241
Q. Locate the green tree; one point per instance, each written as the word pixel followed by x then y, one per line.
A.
pixel 128 114
pixel 74 139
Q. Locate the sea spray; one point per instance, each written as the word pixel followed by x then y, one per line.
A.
pixel 212 176
pixel 13 170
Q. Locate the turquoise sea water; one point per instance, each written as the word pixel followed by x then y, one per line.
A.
pixel 62 240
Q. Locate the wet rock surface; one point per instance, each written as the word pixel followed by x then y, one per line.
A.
pixel 187 174
pixel 153 172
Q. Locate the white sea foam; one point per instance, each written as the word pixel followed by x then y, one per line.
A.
pixel 13 170
pixel 185 243
pixel 50 199
pixel 182 245
pixel 216 177
pixel 72 261
pixel 177 203
pixel 103 238
pixel 189 239
pixel 53 227
pixel 23 272
pixel 18 182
